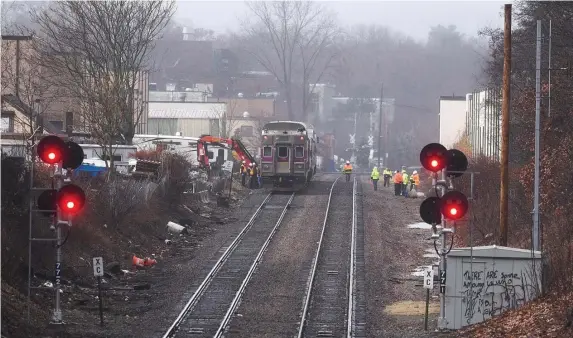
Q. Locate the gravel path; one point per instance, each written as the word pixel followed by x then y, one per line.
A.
pixel 328 309
pixel 394 298
pixel 272 301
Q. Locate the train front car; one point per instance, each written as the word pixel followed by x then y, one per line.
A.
pixel 288 155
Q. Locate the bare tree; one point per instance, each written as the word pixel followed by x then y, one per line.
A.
pixel 100 51
pixel 24 87
pixel 290 37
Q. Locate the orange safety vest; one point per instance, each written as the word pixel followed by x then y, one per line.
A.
pixel 416 179
pixel 398 178
pixel 347 167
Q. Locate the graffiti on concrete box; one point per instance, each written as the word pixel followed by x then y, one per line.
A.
pixel 490 292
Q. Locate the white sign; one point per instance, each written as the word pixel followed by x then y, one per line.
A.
pixel 98 266
pixel 429 278
pixel 352 138
pixel 370 141
pixel 228 166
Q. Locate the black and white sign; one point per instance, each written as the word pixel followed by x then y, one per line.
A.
pixel 442 281
pixel 58 273
pixel 98 266
pixel 429 278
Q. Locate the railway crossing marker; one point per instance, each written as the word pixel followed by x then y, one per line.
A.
pixel 98 272
pixel 428 285
pixel 429 278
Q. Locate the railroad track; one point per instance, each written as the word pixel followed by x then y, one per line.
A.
pixel 210 308
pixel 329 305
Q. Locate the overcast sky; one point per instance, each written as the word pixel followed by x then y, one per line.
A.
pixel 413 18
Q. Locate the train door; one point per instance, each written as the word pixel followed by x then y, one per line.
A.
pixel 283 159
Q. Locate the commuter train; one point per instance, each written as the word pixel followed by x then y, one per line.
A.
pixel 288 155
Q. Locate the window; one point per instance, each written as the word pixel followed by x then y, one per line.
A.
pixel 7 125
pixel 283 152
pixel 116 158
pixel 267 151
pixel 298 152
pixel 247 131
pixel 210 155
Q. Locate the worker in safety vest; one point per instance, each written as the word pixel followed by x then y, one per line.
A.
pixel 405 182
pixel 259 177
pixel 387 175
pixel 397 183
pixel 375 176
pixel 347 170
pixel 415 181
pixel 252 176
pixel 243 172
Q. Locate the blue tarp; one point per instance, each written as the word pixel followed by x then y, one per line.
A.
pixel 90 170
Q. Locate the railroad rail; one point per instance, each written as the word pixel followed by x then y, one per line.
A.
pixel 329 304
pixel 209 309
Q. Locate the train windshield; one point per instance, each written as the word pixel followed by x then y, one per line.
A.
pixel 283 126
pixel 299 152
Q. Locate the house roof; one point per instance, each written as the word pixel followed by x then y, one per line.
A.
pixel 25 109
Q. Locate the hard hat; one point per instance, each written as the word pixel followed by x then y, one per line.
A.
pixel 243 162
pixel 347 162
pixel 250 164
pixel 415 172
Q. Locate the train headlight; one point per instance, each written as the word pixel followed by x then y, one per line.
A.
pixel 299 166
pixel 266 167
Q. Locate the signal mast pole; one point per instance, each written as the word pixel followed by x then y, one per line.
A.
pixel 380 125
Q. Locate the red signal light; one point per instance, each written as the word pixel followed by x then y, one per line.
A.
pixel 433 157
pixel 454 205
pixel 71 199
pixel 51 149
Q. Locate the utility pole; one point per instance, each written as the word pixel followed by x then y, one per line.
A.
pixel 504 193
pixel 535 234
pixel 380 125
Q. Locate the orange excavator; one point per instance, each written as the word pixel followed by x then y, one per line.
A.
pixel 240 153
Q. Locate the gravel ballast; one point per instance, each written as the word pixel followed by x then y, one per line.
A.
pixel 273 299
pixel 392 252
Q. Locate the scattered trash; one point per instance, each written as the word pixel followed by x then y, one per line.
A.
pixel 176 228
pixel 143 262
pixel 167 241
pixel 48 284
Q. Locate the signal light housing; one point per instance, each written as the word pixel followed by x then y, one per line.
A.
pixel 457 163
pixel 51 149
pixel 430 210
pixel 47 202
pixel 71 199
pixel 454 205
pixel 434 157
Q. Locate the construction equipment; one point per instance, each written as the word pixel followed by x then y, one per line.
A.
pixel 240 153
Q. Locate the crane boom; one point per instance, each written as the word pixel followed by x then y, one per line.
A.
pixel 240 152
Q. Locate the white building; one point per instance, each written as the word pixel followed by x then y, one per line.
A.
pixel 452 118
pixel 483 123
pixel 187 118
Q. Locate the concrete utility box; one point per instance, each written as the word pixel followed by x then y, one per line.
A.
pixel 497 279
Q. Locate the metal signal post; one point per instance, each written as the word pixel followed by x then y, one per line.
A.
pixel 61 202
pixel 447 204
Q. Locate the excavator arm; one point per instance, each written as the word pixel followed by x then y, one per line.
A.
pixel 240 153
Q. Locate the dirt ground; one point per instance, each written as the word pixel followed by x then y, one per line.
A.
pixel 395 299
pixel 139 303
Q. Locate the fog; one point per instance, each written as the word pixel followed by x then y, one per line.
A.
pixel 419 51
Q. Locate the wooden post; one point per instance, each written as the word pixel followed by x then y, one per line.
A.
pixel 503 204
